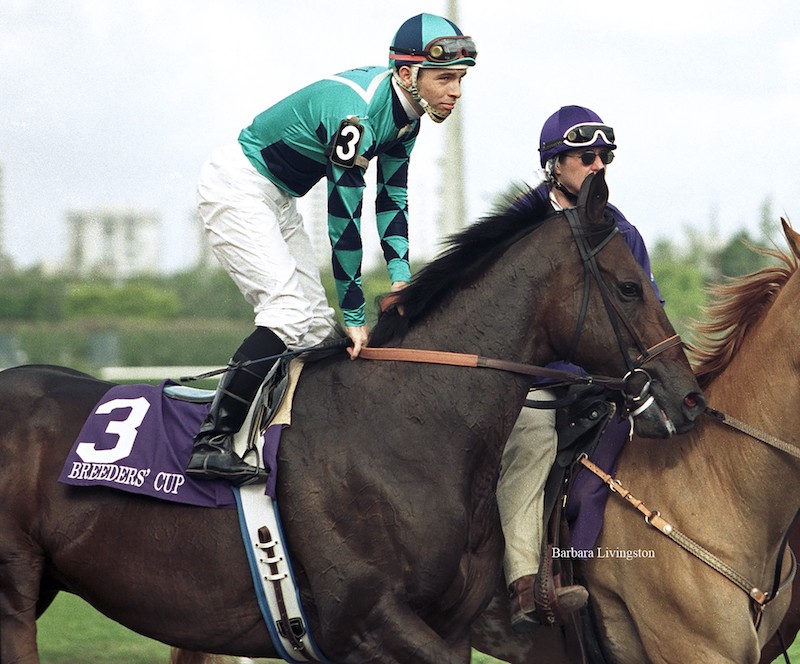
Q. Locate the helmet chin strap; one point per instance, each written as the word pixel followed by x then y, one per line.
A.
pixel 572 198
pixel 432 113
pixel 550 172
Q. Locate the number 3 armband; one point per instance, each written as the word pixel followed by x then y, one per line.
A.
pixel 343 151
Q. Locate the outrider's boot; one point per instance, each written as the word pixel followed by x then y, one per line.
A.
pixel 524 613
pixel 212 455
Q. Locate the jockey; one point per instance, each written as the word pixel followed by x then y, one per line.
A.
pixel 574 142
pixel 247 191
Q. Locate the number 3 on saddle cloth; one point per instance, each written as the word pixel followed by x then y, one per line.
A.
pixel 575 500
pixel 139 438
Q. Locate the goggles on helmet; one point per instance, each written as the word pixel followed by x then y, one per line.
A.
pixel 584 134
pixel 440 50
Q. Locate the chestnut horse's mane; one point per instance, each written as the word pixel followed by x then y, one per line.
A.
pixel 736 305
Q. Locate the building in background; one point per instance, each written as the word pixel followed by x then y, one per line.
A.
pixel 113 243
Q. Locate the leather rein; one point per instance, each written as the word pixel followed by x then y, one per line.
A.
pixel 760 598
pixel 469 360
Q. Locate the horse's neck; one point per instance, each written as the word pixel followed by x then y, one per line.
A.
pixel 716 470
pixel 762 393
pixel 495 317
pixel 498 316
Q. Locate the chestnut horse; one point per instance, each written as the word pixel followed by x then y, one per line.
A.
pixel 385 478
pixel 732 494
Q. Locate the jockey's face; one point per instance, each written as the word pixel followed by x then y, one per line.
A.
pixel 570 171
pixel 441 88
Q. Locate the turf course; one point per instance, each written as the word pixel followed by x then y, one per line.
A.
pixel 72 632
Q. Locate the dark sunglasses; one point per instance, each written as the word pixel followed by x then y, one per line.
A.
pixel 444 49
pixel 588 157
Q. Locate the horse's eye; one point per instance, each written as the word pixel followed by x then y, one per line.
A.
pixel 629 290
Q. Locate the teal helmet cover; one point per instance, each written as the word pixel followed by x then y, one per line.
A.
pixel 428 40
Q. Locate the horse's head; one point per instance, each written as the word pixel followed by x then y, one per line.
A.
pixel 524 284
pixel 620 327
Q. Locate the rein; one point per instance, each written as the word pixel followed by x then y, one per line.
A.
pixel 479 362
pixel 654 519
pixel 753 432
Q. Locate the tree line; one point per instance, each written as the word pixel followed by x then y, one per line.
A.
pixel 198 316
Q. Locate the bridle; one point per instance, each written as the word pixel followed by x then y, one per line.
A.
pixel 636 402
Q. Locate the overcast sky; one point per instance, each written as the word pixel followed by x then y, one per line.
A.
pixel 119 102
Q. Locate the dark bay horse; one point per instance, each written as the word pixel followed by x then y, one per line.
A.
pixel 732 494
pixel 385 476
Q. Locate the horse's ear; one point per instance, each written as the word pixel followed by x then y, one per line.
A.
pixel 792 237
pixel 593 196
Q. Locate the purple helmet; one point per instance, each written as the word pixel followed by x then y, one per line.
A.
pixel 570 128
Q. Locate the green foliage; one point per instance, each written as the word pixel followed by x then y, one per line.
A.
pixel 195 318
pixel 681 284
pixel 88 344
pixel 30 295
pixel 209 293
pixel 737 258
pixel 134 299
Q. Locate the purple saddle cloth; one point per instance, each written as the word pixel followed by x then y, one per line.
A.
pixel 139 440
pixel 587 499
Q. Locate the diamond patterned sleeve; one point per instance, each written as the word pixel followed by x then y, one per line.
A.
pixel 391 209
pixel 345 193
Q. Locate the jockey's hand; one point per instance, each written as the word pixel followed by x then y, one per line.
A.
pixel 390 299
pixel 360 336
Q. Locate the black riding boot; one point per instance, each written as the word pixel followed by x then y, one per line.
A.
pixel 213 456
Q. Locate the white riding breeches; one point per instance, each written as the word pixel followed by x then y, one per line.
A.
pixel 257 234
pixel 529 454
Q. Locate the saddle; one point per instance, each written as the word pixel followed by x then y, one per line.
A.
pixel 582 415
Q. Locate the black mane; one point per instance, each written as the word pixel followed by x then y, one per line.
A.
pixel 468 255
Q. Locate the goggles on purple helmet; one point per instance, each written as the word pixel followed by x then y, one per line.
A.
pixel 585 133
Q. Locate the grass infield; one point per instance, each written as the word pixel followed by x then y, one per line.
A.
pixel 72 632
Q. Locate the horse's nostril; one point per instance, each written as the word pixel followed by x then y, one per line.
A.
pixel 694 401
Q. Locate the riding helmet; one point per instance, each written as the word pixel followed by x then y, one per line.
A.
pixel 571 128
